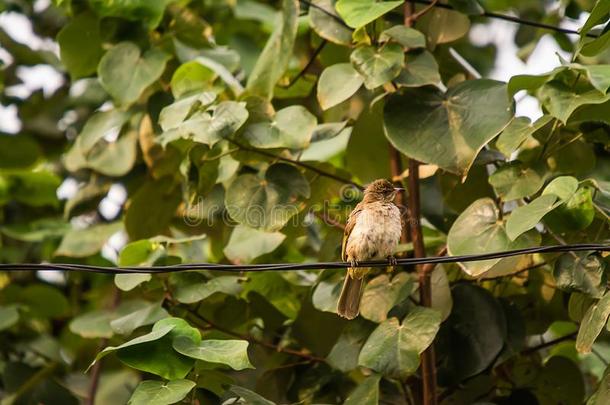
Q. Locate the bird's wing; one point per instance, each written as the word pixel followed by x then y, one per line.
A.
pixel 351 221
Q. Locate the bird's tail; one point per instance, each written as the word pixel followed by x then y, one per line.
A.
pixel 349 301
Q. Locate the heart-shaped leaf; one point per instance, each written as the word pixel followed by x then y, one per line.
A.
pixel 88 241
pixel 161 392
pixel 450 129
pixel 408 37
pixel 381 294
pixel 337 83
pixel 233 353
pixel 479 230
pixel 125 73
pixel 357 13
pixel 513 181
pixel 246 244
pixel 394 348
pixel 325 25
pixel 378 66
pixel 292 127
pixel 266 203
pixel 420 69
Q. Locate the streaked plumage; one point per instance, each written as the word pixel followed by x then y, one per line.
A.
pixel 372 232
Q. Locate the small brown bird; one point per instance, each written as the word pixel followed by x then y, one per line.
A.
pixel 372 232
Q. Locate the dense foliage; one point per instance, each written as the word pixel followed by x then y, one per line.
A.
pixel 230 125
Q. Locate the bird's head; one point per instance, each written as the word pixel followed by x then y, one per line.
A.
pixel 381 190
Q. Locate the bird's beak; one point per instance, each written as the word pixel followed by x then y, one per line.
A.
pixel 399 189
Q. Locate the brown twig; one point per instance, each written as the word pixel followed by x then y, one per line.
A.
pixel 323 216
pixel 297 163
pixel 254 340
pixel 428 358
pixel 411 18
pixel 96 370
pixel 310 62
pixel 544 345
pixel 401 197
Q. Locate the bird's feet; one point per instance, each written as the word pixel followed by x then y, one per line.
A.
pixel 392 260
pixel 353 263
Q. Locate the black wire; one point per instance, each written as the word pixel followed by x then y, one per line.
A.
pixel 488 14
pixel 300 266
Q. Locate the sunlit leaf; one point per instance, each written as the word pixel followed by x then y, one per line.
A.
pixel 357 13
pixel 233 353
pixel 160 392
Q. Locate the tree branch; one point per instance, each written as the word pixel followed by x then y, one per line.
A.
pixel 544 345
pixel 96 370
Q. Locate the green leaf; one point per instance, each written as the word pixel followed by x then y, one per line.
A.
pixel 148 11
pixel 267 203
pixel 161 392
pixel 357 13
pixel 291 127
pixel 125 73
pixel 109 158
pixel 563 187
pixel 190 77
pixel 157 356
pixel 18 151
pixel 328 27
pixel 561 101
pixel 365 141
pixel 94 324
pixel 408 37
pixel 576 213
pixel 127 282
pixel 592 324
pixel 207 127
pixel 37 189
pixel 447 130
pixel 276 290
pixel 134 314
pixel 378 66
pixel 36 231
pixel 442 26
pixel 380 295
pixel 233 353
pixel 137 252
pixel 9 316
pixel 393 348
pixel 479 229
pixel 100 125
pixel 473 335
pixel 420 69
pixel 174 114
pixel 517 132
pixel 581 272
pixel 274 58
pixel 326 293
pixel 246 244
pixel 191 287
pixel 80 45
pixel 525 217
pixel 250 397
pixel 366 393
pixel 514 181
pixel 151 209
pixel 44 301
pixel 88 241
pixel 338 83
pixel 441 292
pixel 344 354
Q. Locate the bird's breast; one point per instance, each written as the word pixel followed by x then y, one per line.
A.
pixel 375 234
